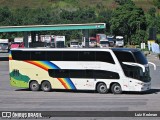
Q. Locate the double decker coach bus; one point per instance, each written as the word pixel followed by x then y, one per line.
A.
pixel 117 69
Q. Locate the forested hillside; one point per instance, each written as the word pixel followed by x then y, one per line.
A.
pixel 130 18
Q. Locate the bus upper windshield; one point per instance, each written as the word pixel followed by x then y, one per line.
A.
pixel 140 58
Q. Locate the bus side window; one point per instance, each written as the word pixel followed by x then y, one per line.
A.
pixel 38 55
pixel 100 74
pixel 86 56
pixel 124 56
pixel 89 74
pixel 54 56
pixel 76 73
pixel 21 55
pixel 104 57
pixel 70 55
pixel 59 73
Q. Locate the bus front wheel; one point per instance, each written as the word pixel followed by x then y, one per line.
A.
pixel 34 86
pixel 46 86
pixel 116 88
pixel 102 88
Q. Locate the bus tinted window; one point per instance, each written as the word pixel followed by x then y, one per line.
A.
pixel 21 55
pixel 98 74
pixel 123 56
pixel 61 73
pixel 70 56
pixel 87 56
pixel 140 57
pixel 38 55
pixel 54 55
pixel 104 56
pixel 76 73
pixel 89 74
pixel 105 74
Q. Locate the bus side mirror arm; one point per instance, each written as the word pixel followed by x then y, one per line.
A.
pixel 135 64
pixel 153 65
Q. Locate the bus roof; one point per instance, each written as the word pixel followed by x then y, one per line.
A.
pixel 59 49
pixel 75 49
pixel 125 49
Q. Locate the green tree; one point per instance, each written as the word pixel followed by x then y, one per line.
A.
pixel 157 3
pixel 5 15
pixel 122 2
pixel 104 16
pixel 127 19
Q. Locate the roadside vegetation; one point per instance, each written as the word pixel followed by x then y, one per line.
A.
pixel 130 18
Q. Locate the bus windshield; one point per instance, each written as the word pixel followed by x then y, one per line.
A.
pixel 140 58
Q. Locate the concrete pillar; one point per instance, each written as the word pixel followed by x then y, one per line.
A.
pixel 25 39
pixel 86 35
pixel 33 37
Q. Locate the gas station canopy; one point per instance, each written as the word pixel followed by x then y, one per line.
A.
pixel 52 27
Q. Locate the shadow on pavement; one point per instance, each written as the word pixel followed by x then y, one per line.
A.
pixel 22 90
pixel 152 91
pixel 62 90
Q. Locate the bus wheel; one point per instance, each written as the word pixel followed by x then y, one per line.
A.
pixel 34 86
pixel 102 88
pixel 116 88
pixel 46 86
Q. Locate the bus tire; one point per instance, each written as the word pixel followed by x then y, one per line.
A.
pixel 116 88
pixel 102 88
pixel 34 86
pixel 46 86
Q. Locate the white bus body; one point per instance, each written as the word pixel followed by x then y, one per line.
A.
pixel 80 69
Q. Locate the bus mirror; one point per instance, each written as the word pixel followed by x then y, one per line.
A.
pixel 134 64
pixel 153 65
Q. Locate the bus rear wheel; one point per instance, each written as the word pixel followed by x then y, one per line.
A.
pixel 102 88
pixel 46 86
pixel 116 88
pixel 34 86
